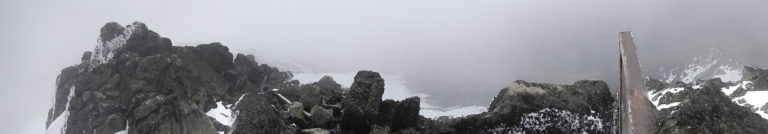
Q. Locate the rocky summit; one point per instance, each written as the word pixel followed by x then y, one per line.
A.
pixel 137 82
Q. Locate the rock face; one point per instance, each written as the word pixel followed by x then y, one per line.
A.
pixel 136 79
pixel 256 115
pixel 585 106
pixel 758 76
pixel 703 107
pixel 361 104
pixel 399 115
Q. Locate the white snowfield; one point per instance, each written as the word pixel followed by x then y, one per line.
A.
pixel 757 99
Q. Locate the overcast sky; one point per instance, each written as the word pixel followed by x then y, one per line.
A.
pixel 459 52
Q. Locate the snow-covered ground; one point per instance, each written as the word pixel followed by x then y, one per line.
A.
pixel 59 125
pixel 224 114
pixel 395 89
pixel 757 99
pixel 655 97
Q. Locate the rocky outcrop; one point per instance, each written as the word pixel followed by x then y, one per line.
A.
pixel 399 115
pixel 701 107
pixel 256 115
pixel 361 103
pixel 585 106
pixel 758 76
pixel 136 79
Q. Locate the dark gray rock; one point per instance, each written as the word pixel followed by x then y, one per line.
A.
pixel 321 117
pixel 399 115
pixel 258 116
pixel 708 110
pixel 137 77
pixel 311 97
pixel 758 76
pixel 361 103
pixel 509 108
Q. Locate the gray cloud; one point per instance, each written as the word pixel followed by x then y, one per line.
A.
pixel 459 52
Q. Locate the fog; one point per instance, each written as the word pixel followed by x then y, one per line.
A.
pixel 458 52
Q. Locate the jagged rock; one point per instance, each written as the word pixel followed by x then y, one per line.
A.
pixel 429 126
pixel 311 97
pixel 330 90
pixel 296 111
pixel 256 115
pixel 361 103
pixel 708 110
pixel 376 129
pixel 136 76
pixel 399 115
pixel 584 99
pixel 320 116
pixel 758 76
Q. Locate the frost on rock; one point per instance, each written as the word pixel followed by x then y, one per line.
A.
pixel 547 119
pixel 59 125
pixel 105 49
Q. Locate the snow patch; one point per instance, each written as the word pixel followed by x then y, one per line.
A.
pixel 655 97
pixel 730 74
pixel 755 98
pixel 59 125
pixel 693 71
pixel 729 90
pixel 222 114
pixel 664 106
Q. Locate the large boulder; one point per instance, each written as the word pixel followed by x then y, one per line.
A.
pixel 361 103
pixel 399 115
pixel 256 115
pixel 522 106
